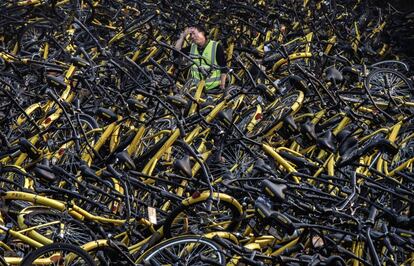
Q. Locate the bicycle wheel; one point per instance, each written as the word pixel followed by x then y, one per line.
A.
pixel 153 139
pixel 184 250
pixel 392 64
pixel 12 178
pixel 58 254
pixel 194 216
pixel 235 159
pixel 81 9
pixel 32 37
pixel 176 153
pixel 249 118
pixel 104 255
pixel 71 230
pixel 66 152
pixel 389 87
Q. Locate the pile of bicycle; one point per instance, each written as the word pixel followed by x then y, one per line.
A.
pixel 110 155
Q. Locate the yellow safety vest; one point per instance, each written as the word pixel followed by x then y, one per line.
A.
pixel 209 55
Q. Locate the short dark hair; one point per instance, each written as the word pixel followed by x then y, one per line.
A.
pixel 201 28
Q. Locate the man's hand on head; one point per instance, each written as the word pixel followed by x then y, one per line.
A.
pixel 187 31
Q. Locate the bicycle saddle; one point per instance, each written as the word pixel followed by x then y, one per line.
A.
pixel 333 74
pixel 136 106
pixel 261 166
pixel 125 158
pixel 263 210
pixel 347 146
pixel 106 114
pixel 177 100
pixel 27 147
pixel 343 135
pixel 276 191
pixel 308 129
pixel 327 141
pixel 299 161
pixel 125 141
pixel 275 218
pixel 79 62
pixel 60 171
pixel 226 115
pixel 88 172
pixel 44 172
pixel 58 81
pixel 290 123
pixel 383 145
pixel 184 166
pixel 346 142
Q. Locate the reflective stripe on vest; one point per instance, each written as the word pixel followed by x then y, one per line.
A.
pixel 209 55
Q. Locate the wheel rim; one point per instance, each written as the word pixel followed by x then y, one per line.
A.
pixel 197 220
pixel 73 233
pixel 234 159
pixel 66 153
pixel 185 252
pixel 389 86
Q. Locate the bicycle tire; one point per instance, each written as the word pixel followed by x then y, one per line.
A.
pixel 248 119
pixel 74 7
pixel 392 64
pixel 229 217
pixel 48 253
pixel 42 39
pixel 32 37
pixel 17 179
pixel 67 153
pixel 388 86
pixel 105 255
pixel 235 159
pixel 76 232
pixel 178 245
pixel 22 127
pixel 151 141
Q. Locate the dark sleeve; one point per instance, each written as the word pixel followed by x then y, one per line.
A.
pixel 185 50
pixel 221 58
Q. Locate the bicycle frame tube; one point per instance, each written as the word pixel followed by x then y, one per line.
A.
pixel 268 149
pixel 218 196
pixel 291 57
pixel 150 166
pixel 197 96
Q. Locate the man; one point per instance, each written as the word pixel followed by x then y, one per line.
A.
pixel 213 54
